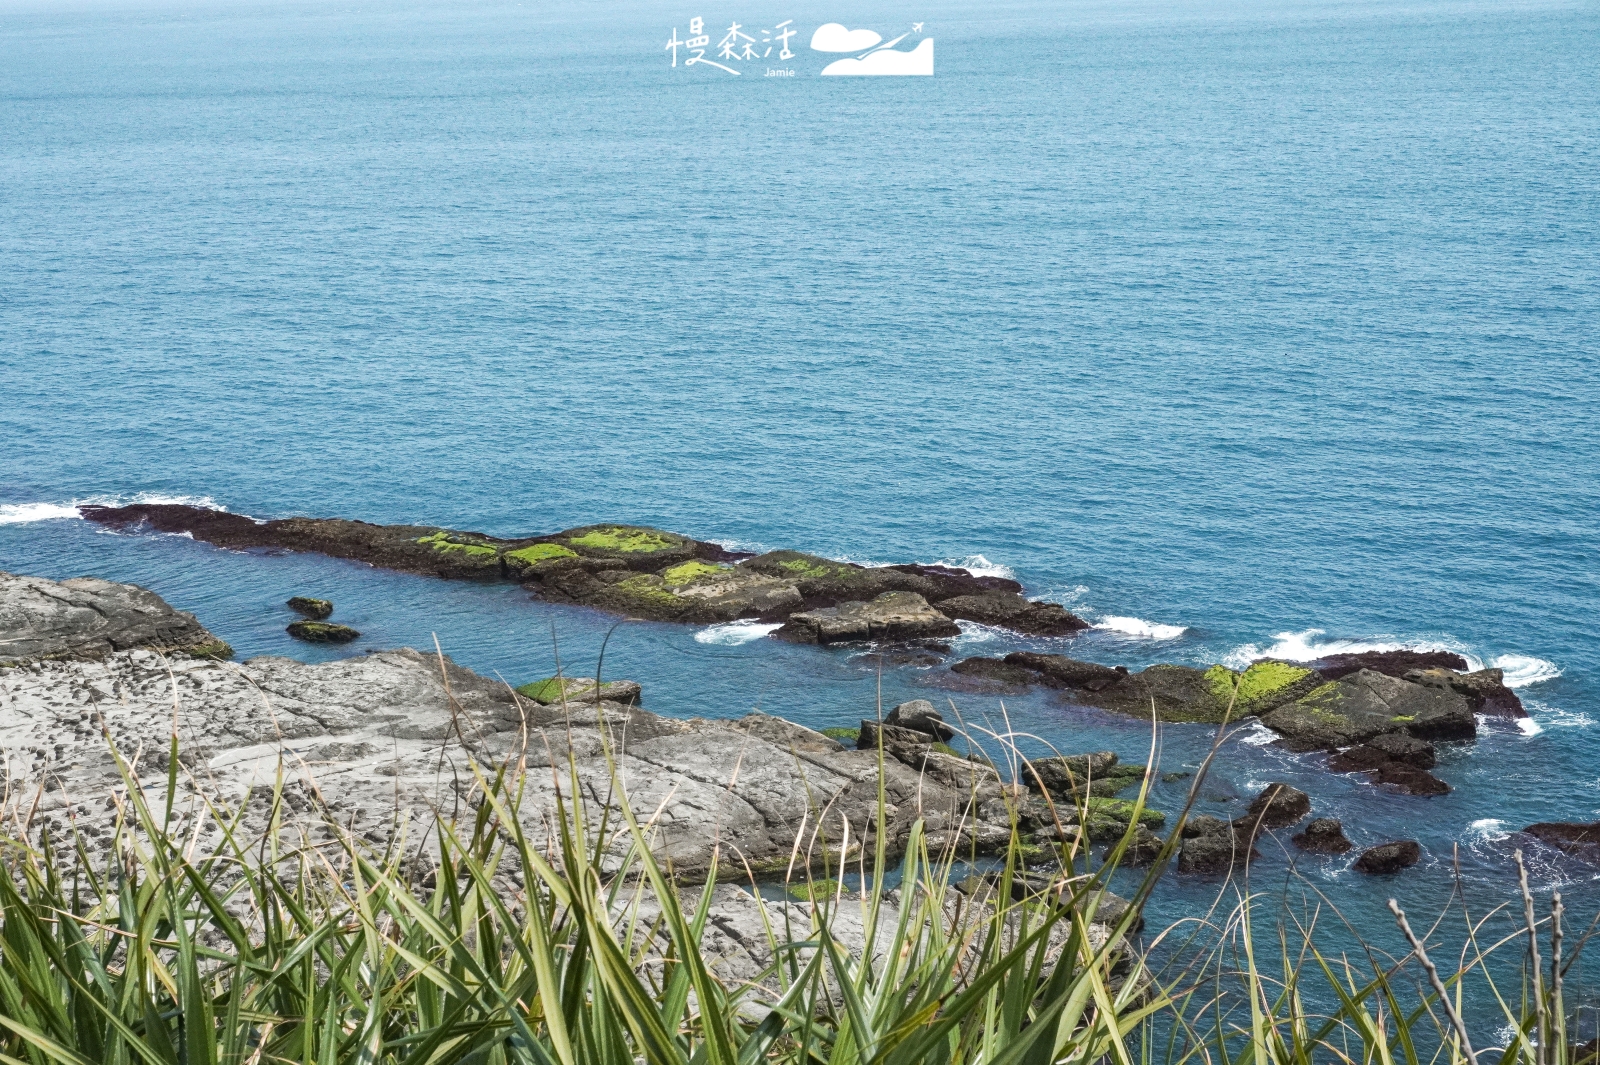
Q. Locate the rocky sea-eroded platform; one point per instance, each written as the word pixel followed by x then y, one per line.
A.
pixel 646 573
pixel 384 739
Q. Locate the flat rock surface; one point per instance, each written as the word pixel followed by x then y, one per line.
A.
pixel 88 618
pixel 390 738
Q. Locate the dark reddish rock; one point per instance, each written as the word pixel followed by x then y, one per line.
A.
pixel 1389 663
pixel 891 736
pixel 1059 671
pixel 1325 835
pixel 948 581
pixel 1485 690
pixel 1278 806
pixel 1142 850
pixel 1404 747
pixel 1362 758
pixel 1409 780
pixel 1575 838
pixel 995 669
pixel 1008 610
pixel 1389 857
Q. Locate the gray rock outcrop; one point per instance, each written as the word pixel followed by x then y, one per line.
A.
pixel 87 617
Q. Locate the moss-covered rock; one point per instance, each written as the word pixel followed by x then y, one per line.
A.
pixel 691 571
pixel 553 690
pixel 218 650
pixel 462 551
pixel 528 561
pixel 1366 704
pixel 315 609
pixel 813 890
pixel 848 736
pixel 637 547
pixel 321 632
pixel 1263 686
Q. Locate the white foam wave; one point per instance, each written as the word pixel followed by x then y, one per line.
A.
pixel 1523 670
pixel 1148 630
pixel 1254 734
pixel 1489 829
pixel 735 632
pixel 979 566
pixel 26 513
pixel 1528 726
pixel 1304 646
pixel 976 632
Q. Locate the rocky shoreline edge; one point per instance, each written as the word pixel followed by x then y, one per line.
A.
pixel 382 739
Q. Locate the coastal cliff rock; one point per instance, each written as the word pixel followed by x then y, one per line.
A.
pixel 644 572
pixel 88 618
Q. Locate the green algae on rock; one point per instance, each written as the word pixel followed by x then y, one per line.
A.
pixel 321 632
pixel 315 609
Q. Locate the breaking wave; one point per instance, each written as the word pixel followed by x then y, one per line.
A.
pixel 26 513
pixel 979 566
pixel 1304 646
pixel 1523 670
pixel 735 632
pixel 1489 829
pixel 1146 630
pixel 1520 670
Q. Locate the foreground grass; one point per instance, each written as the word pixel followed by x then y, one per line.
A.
pixel 483 945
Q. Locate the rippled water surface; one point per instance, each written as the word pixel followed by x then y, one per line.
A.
pixel 1240 328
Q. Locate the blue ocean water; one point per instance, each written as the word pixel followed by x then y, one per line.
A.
pixel 1273 323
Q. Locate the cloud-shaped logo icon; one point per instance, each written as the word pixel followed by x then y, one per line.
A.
pixel 832 37
pixel 918 61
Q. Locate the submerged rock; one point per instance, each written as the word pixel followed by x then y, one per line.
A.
pixel 87 617
pixel 315 609
pixel 1389 857
pixel 321 632
pixel 1325 835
